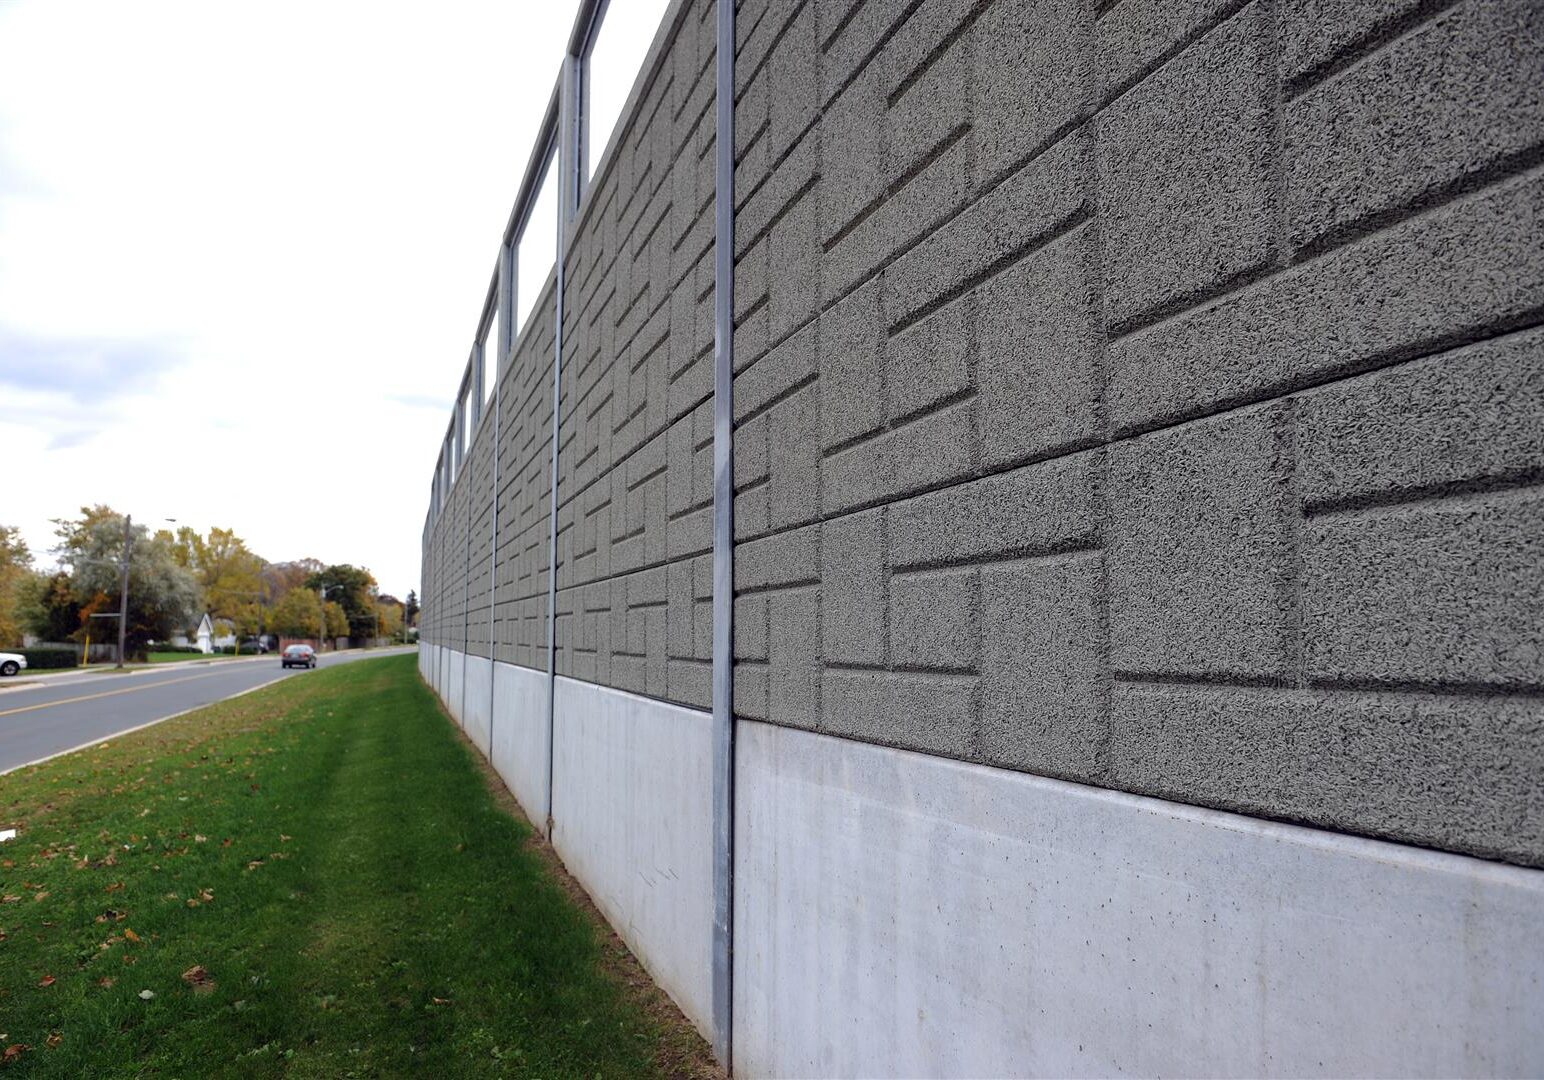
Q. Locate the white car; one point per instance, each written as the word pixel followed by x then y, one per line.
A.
pixel 11 663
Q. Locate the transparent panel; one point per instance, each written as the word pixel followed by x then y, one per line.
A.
pixel 491 360
pixel 466 420
pixel 536 250
pixel 616 53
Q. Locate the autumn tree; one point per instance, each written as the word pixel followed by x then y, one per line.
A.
pixel 228 573
pixel 351 587
pixel 49 608
pixel 163 595
pixel 297 615
pixel 280 579
pixel 15 573
pixel 337 620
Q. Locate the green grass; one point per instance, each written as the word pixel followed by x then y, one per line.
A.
pixel 328 851
pixel 178 657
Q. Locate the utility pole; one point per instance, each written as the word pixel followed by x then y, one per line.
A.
pixel 123 585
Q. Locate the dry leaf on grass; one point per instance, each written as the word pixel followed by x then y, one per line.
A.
pixel 47 980
pixel 132 936
pixel 14 1051
pixel 199 979
pixel 55 1039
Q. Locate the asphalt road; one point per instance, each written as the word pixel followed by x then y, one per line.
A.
pixel 45 717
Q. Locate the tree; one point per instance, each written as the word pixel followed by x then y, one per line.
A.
pixel 15 573
pixel 297 615
pixel 350 586
pixel 228 573
pixel 163 595
pixel 279 579
pixel 49 607
pixel 337 620
pixel 410 609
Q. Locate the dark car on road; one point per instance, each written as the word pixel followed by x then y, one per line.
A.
pixel 298 656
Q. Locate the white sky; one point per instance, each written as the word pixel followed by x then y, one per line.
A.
pixel 237 241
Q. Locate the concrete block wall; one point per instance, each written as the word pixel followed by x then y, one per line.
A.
pixel 1138 495
pixel 635 484
pixel 1150 396
pixel 523 562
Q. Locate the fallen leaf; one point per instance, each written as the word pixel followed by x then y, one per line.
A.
pixel 285 839
pixel 198 978
pixel 47 980
pixel 115 886
pixel 42 895
pixel 16 1050
pixel 146 995
pixel 200 839
pixel 106 981
pixel 8 899
pixel 55 1039
pixel 441 1001
pixel 131 935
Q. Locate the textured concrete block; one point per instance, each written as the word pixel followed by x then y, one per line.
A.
pixel 795 253
pixel 793 683
pixel 1318 35
pixel 794 83
pixel 760 384
pixel 1041 340
pixel 1448 421
pixel 929 363
pixel 795 458
pixel 852 342
pixel 853 589
pixel 1035 510
pixel 923 203
pixel 1445 592
pixel 929 95
pixel 1023 211
pixel 1466 267
pixel 1459 773
pixel 1135 34
pixel 930 713
pixel 1184 173
pixel 1033 77
pixel 750 627
pixel 785 558
pixel 935 449
pixel 1434 111
pixel 852 167
pixel 1043 676
pixel 1198 550
pixel 935 620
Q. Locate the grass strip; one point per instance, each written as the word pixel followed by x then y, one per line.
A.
pixel 310 880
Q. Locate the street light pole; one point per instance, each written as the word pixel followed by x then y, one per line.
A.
pixel 123 586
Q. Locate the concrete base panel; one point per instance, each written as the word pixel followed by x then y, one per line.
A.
pixel 455 673
pixel 519 751
pixel 633 821
pixel 478 702
pixel 898 914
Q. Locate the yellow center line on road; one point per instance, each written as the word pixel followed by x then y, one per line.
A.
pixel 109 693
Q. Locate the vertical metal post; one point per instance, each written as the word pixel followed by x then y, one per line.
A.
pixel 567 152
pixel 501 308
pixel 723 545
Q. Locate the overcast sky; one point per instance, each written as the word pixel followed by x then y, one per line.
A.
pixel 243 249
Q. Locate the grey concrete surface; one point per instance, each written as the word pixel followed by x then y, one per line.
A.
pixel 46 717
pixel 1141 394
